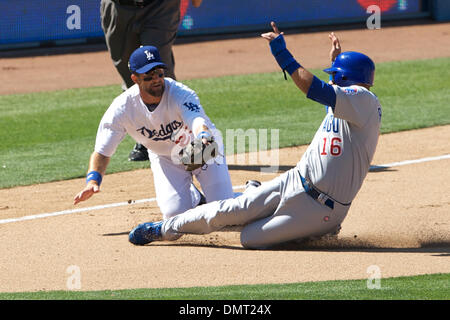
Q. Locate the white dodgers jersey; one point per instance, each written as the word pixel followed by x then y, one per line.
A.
pixel 339 157
pixel 163 131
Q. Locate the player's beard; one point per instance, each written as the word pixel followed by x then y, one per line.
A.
pixel 156 91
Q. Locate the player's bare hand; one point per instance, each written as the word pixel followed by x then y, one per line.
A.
pixel 335 46
pixel 273 34
pixel 86 193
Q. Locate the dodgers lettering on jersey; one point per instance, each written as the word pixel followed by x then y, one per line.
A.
pixel 339 157
pixel 163 132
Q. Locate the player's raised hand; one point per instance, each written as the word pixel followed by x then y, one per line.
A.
pixel 335 46
pixel 273 34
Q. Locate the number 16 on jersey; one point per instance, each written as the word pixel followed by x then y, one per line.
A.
pixel 331 146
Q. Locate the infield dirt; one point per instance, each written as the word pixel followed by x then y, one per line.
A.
pixel 399 221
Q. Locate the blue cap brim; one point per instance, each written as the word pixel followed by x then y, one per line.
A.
pixel 150 66
pixel 331 70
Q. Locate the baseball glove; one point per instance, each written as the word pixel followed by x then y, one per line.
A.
pixel 196 154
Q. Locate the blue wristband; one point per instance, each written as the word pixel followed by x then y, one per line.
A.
pixel 94 175
pixel 291 67
pixel 286 61
pixel 277 45
pixel 284 58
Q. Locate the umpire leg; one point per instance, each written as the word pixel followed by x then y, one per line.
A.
pixel 163 41
pixel 120 36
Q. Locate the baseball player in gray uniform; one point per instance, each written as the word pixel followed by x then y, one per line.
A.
pixel 312 199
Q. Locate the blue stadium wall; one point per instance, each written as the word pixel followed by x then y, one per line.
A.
pixel 29 23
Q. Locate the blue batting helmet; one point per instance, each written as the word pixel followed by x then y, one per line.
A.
pixel 351 68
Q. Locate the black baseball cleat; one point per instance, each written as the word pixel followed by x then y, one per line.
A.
pixel 139 153
pixel 202 199
pixel 202 196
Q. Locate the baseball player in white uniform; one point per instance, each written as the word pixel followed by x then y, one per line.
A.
pixel 312 199
pixel 164 115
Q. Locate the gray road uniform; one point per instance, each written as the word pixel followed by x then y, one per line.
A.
pixel 309 200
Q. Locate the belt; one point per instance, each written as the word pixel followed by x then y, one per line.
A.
pixel 134 3
pixel 316 194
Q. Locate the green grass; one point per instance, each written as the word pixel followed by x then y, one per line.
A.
pixel 49 136
pixel 424 287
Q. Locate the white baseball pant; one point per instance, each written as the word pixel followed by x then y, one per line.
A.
pixel 175 192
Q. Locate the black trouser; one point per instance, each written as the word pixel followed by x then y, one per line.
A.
pixel 127 27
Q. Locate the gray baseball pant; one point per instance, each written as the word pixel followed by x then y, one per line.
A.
pixel 276 212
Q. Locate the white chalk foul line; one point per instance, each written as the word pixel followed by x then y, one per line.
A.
pixel 60 213
pixel 406 162
pixel 120 204
pixel 70 211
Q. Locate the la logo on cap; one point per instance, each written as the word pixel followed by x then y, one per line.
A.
pixel 149 55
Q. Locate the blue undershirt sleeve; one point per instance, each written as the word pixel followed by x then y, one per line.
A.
pixel 322 92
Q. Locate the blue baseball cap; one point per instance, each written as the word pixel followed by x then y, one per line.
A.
pixel 144 59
